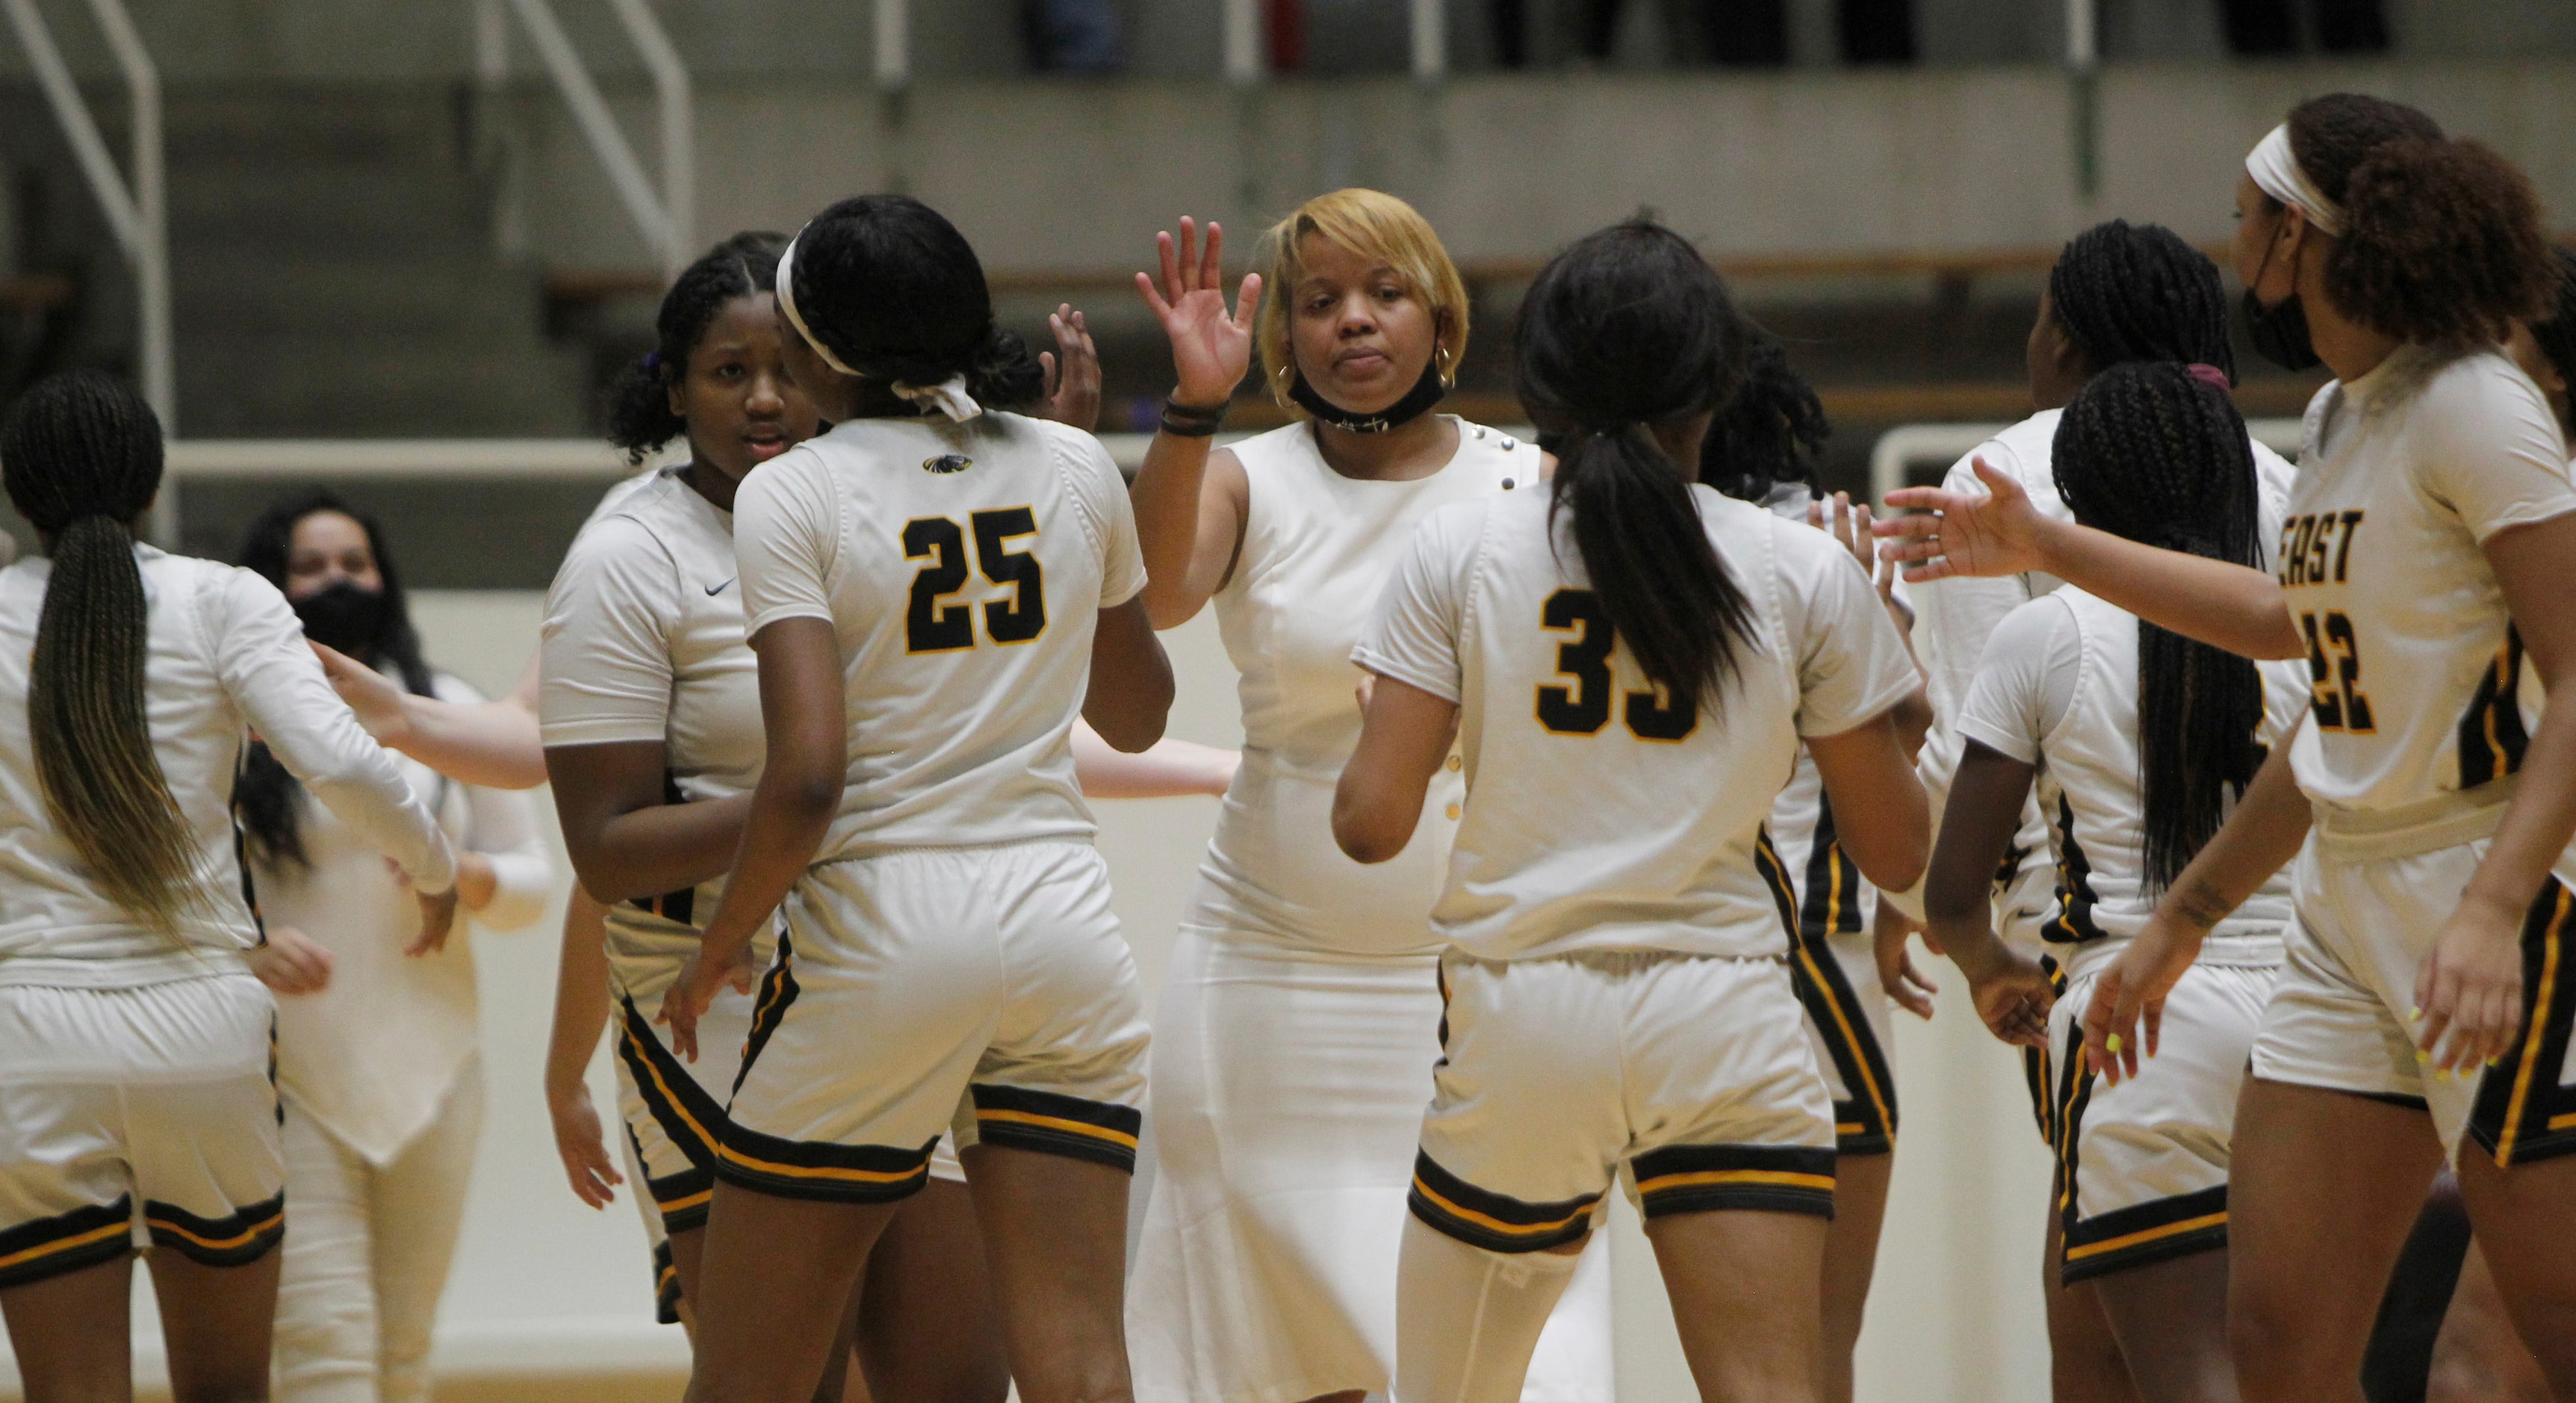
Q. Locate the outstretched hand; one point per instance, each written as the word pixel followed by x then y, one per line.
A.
pixel 1072 384
pixel 1211 349
pixel 1963 533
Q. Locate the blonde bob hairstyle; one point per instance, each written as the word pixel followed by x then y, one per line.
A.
pixel 1375 225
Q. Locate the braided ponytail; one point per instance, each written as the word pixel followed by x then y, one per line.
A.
pixel 2150 452
pixel 81 458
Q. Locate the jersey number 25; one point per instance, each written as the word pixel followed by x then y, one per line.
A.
pixel 1584 708
pixel 930 626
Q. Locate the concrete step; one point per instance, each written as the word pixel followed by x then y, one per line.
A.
pixel 221 293
pixel 282 209
pixel 312 125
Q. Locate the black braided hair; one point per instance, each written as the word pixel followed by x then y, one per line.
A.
pixel 2150 452
pixel 1627 329
pixel 81 459
pixel 898 294
pixel 639 402
pixel 1771 432
pixel 266 795
pixel 2137 292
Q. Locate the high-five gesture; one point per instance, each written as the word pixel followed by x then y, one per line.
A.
pixel 1211 349
pixel 1967 534
pixel 1073 384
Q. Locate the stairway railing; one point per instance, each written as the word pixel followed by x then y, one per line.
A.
pixel 665 218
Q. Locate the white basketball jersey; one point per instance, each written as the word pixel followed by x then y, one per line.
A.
pixel 1317 551
pixel 2059 690
pixel 963 568
pixel 2419 688
pixel 643 641
pixel 1600 815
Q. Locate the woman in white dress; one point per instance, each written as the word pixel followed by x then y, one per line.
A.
pixel 135 1044
pixel 1295 1037
pixel 378 1068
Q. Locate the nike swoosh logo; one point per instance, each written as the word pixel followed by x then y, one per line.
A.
pixel 714 590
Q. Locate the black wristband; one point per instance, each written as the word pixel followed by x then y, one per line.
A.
pixel 1191 420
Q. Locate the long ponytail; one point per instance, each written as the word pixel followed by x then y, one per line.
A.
pixel 1628 329
pixel 81 459
pixel 2152 452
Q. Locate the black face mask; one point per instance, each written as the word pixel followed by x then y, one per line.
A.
pixel 345 617
pixel 1417 402
pixel 2279 332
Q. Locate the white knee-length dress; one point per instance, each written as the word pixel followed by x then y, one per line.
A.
pixel 1299 1023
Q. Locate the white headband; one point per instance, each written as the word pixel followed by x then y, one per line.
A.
pixel 948 397
pixel 2275 168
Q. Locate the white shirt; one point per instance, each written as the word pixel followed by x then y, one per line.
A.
pixel 371 1057
pixel 1954 617
pixel 2059 690
pixel 1594 819
pixel 1316 554
pixel 643 641
pixel 2404 474
pixel 963 568
pixel 225 656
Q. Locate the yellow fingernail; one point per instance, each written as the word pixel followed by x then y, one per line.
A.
pixel 2496 1061
pixel 2415 1011
pixel 2422 1056
pixel 2112 1042
pixel 2443 1074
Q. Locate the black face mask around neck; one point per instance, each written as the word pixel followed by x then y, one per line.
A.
pixel 2279 332
pixel 344 617
pixel 1417 402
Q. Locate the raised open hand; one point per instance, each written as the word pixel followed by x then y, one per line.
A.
pixel 1988 534
pixel 1211 347
pixel 1072 384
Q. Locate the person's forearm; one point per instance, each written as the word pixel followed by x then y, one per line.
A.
pixel 581 995
pixel 1129 699
pixel 1167 768
pixel 493 744
pixel 663 847
pixel 780 835
pixel 1165 496
pixel 2234 607
pixel 2259 839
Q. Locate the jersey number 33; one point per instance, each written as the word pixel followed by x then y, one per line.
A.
pixel 1581 706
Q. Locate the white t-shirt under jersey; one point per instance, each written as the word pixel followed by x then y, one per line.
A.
pixel 1595 819
pixel 643 641
pixel 2059 690
pixel 2419 686
pixel 1317 551
pixel 224 657
pixel 963 568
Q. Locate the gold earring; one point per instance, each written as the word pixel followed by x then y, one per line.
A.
pixel 1448 371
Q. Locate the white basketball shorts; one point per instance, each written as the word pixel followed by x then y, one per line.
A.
pixel 2143 1164
pixel 155 1102
pixel 1689 1073
pixel 985 990
pixel 2340 1020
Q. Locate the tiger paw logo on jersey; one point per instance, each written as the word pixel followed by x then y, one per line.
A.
pixel 947 463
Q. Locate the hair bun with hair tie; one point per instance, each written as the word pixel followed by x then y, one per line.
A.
pixel 2211 376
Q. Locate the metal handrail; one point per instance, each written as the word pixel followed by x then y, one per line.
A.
pixel 137 214
pixel 666 218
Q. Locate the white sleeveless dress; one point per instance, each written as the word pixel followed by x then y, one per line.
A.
pixel 1298 1027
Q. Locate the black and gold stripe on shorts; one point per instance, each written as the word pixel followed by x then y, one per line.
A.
pixel 1756 1178
pixel 65 1243
pixel 2523 1114
pixel 1050 1123
pixel 819 1171
pixel 682 1199
pixel 1495 1222
pixel 684 1110
pixel 1865 1119
pixel 236 1239
pixel 778 991
pixel 666 1286
pixel 2036 1065
pixel 2145 1234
